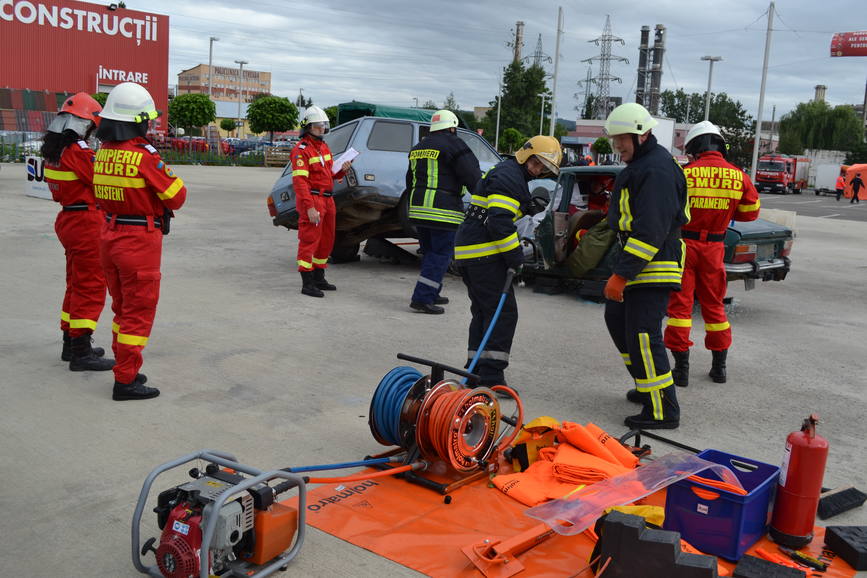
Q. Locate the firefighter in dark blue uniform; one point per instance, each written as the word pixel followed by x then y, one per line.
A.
pixel 648 207
pixel 487 246
pixel 441 166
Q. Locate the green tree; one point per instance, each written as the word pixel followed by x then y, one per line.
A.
pixel 815 125
pixel 270 114
pixel 430 105
pixel 228 124
pixel 100 98
pixel 191 111
pixel 450 103
pixel 520 101
pixel 602 146
pixel 857 155
pixel 331 111
pixel 512 139
pixel 589 104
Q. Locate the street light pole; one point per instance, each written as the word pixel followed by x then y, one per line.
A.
pixel 711 60
pixel 240 91
pixel 757 140
pixel 542 112
pixel 499 106
pixel 210 65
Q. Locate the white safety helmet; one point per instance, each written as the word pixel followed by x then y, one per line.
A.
pixel 442 120
pixel 314 115
pixel 129 102
pixel 704 136
pixel 629 118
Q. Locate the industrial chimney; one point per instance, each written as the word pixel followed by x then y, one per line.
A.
pixel 820 93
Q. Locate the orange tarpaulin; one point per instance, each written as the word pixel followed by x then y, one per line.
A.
pixel 414 526
pixel 851 172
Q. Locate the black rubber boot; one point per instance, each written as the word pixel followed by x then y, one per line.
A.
pixel 670 412
pixel 440 300
pixel 135 390
pixel 83 357
pixel 635 396
pixel 66 353
pixel 428 308
pixel 718 368
pixel 308 286
pixel 680 371
pixel 321 283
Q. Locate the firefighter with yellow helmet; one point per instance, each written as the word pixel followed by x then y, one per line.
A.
pixel 487 246
pixel 648 208
pixel 441 167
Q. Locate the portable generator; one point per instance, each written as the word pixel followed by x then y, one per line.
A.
pixel 225 522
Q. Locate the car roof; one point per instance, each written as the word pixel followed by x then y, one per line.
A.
pixel 594 170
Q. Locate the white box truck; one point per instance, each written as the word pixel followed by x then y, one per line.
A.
pixel 826 178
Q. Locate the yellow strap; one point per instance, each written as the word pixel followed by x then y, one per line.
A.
pixel 134 340
pixel 60 175
pixel 172 190
pixel 82 324
pixel 749 208
pixel 300 173
pixel 113 181
pixel 673 322
pixel 717 326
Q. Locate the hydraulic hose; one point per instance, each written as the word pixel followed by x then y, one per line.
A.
pixel 360 477
pixel 339 466
pixel 388 400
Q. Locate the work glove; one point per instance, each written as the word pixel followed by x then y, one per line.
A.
pixel 614 288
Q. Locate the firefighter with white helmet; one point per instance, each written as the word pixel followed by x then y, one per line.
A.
pixel 138 192
pixel 69 174
pixel 648 208
pixel 487 246
pixel 313 181
pixel 718 193
pixel 441 168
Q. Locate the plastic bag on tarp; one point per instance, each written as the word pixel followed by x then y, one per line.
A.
pixel 574 514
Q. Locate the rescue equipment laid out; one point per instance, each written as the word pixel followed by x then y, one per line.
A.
pixel 226 521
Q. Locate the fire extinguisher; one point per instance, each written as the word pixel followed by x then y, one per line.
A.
pixel 799 486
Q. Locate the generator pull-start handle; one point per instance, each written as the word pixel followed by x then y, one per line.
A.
pixel 149 547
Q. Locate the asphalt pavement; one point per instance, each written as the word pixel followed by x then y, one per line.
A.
pixel 825 206
pixel 248 365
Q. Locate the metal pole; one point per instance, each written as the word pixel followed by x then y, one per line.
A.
pixel 240 92
pixel 711 60
pixel 497 131
pixel 556 69
pixel 542 113
pixel 210 67
pixel 864 113
pixel 758 136
pixel 771 140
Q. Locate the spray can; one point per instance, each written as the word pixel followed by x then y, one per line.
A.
pixel 800 486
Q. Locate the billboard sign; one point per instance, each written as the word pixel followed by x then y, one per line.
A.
pixel 36 185
pixel 849 44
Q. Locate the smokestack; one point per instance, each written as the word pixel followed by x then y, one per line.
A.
pixel 519 40
pixel 820 93
pixel 656 71
pixel 641 84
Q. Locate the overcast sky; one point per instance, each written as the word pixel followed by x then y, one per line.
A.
pixel 392 52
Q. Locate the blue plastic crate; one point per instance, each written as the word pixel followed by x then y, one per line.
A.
pixel 719 522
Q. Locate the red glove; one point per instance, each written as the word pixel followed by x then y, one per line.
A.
pixel 614 288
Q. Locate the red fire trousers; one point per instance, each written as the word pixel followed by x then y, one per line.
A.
pixel 84 299
pixel 315 241
pixel 704 277
pixel 131 257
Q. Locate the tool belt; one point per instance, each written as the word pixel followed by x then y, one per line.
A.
pixel 477 212
pixel 320 193
pixel 138 220
pixel 77 207
pixel 703 236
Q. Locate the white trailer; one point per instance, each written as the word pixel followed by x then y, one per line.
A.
pixel 826 178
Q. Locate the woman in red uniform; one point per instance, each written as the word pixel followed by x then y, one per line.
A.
pixel 138 192
pixel 312 181
pixel 69 174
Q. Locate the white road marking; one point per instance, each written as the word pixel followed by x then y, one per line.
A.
pixel 807 202
pixel 829 216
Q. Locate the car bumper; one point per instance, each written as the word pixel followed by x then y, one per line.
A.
pixel 772 269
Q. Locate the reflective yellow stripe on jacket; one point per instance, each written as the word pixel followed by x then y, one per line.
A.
pixel 490 248
pixel 60 175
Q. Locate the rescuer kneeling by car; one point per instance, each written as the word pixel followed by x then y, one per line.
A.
pixel 648 207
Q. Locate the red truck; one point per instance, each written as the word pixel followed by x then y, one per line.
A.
pixel 782 174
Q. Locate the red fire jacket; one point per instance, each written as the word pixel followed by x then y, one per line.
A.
pixel 311 171
pixel 718 193
pixel 70 181
pixel 130 178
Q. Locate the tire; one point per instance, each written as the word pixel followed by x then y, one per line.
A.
pixel 344 252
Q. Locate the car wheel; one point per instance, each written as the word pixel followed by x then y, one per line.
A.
pixel 344 252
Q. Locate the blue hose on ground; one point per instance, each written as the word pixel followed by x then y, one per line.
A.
pixel 339 466
pixel 388 400
pixel 510 274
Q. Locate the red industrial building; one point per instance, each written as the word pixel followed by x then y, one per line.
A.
pixel 52 48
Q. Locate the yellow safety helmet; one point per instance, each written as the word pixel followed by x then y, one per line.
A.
pixel 442 120
pixel 629 118
pixel 544 148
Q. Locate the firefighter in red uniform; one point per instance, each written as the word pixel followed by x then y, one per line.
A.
pixel 312 181
pixel 69 174
pixel 138 192
pixel 718 193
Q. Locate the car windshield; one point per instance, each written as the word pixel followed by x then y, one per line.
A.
pixel 482 151
pixel 338 139
pixel 771 166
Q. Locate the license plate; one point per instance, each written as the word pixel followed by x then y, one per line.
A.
pixel 765 253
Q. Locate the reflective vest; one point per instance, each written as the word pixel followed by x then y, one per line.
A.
pixel 500 198
pixel 648 208
pixel 718 193
pixel 441 168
